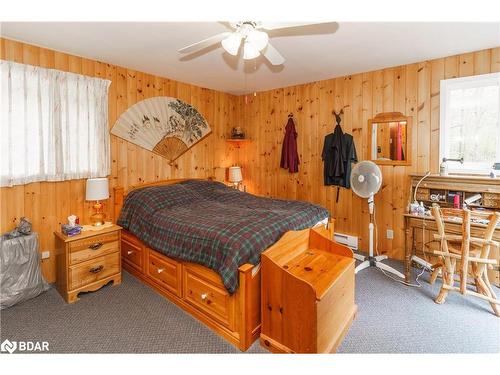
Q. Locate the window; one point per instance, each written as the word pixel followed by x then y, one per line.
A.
pixel 54 125
pixel 470 124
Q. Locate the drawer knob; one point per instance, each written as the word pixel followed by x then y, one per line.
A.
pixel 95 246
pixel 130 252
pixel 204 296
pixel 160 270
pixel 96 269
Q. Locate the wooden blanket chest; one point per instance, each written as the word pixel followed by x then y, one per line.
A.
pixel 307 293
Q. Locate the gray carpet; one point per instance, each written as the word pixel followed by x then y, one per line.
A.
pixel 132 318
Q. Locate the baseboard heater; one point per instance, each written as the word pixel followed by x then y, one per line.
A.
pixel 347 240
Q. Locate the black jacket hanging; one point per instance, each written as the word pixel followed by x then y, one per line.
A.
pixel 339 152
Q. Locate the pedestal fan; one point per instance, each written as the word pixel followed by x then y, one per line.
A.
pixel 366 179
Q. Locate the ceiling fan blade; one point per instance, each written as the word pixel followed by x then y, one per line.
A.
pixel 273 55
pixel 284 25
pixel 205 43
pixel 322 28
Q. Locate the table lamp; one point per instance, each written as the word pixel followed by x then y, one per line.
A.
pixel 235 176
pixel 97 190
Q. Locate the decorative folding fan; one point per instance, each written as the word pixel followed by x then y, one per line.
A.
pixel 167 126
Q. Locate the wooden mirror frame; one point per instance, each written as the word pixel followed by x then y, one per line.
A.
pixel 391 117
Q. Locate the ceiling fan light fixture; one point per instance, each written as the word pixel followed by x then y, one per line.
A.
pixel 258 39
pixel 249 51
pixel 232 43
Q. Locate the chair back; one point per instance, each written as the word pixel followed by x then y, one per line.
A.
pixel 464 215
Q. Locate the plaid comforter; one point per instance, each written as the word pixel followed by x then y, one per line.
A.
pixel 208 223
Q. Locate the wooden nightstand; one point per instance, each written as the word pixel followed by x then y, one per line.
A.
pixel 87 261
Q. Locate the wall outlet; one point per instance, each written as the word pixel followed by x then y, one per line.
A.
pixel 45 254
pixel 390 234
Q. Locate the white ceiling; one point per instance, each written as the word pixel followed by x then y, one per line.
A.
pixel 353 48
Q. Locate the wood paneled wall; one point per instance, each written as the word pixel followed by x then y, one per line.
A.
pixel 411 89
pixel 48 204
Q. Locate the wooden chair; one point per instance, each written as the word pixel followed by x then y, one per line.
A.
pixel 465 249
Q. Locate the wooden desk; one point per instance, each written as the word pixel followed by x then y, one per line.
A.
pixel 419 235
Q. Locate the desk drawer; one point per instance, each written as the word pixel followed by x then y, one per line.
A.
pixel 491 200
pixel 212 299
pixel 93 270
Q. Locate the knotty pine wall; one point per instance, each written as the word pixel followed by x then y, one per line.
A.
pixel 47 204
pixel 411 89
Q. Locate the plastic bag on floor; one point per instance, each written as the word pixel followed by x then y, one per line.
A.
pixel 20 273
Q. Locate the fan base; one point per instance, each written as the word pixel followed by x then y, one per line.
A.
pixel 371 261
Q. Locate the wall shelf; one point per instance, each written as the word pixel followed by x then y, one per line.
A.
pixel 237 142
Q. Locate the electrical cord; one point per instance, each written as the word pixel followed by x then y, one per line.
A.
pixel 417 285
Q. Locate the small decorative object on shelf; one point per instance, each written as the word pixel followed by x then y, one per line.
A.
pixel 237 133
pixel 97 190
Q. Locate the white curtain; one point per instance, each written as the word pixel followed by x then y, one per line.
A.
pixel 54 125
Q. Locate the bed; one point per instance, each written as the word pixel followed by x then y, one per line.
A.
pixel 198 243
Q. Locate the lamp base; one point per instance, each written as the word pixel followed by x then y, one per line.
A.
pixel 97 219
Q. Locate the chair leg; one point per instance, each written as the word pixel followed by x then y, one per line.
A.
pixel 488 284
pixel 492 294
pixel 443 292
pixel 448 279
pixel 434 276
pixel 479 288
pixel 435 273
pixel 484 287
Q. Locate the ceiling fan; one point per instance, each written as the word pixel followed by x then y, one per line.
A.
pixel 249 34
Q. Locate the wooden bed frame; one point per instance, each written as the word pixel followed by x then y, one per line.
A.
pixel 196 289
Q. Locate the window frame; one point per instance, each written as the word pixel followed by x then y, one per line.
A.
pixel 446 85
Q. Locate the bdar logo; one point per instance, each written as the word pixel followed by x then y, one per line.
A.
pixel 8 346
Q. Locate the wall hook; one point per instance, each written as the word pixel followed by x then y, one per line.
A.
pixel 338 119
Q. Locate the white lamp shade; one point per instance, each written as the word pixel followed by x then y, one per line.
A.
pixel 232 43
pixel 249 51
pixel 97 189
pixel 235 174
pixel 258 39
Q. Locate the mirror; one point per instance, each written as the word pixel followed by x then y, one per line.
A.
pixel 389 139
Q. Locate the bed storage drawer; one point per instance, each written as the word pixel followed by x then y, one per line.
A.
pixel 94 270
pixel 208 295
pixel 133 255
pixel 165 272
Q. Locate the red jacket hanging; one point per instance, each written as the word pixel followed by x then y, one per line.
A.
pixel 289 154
